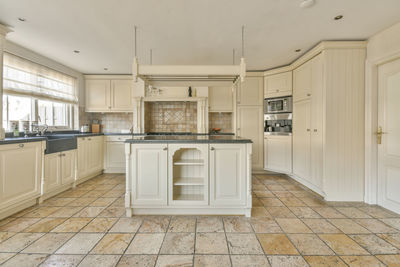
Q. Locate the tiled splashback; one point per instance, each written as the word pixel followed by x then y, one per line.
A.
pixel 170 116
pixel 221 120
pixel 111 122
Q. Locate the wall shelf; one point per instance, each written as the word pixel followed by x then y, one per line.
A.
pixel 189 181
pixel 193 162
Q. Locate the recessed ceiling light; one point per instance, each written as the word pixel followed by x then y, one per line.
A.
pixel 338 17
pixel 307 3
pixel 297 50
pixel 105 68
pixel 77 51
pixel 21 19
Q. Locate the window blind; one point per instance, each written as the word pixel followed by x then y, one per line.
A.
pixel 21 76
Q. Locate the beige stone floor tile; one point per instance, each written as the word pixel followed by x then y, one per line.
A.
pixel 256 202
pixel 375 226
pixel 41 212
pixel 348 226
pixel 362 261
pixel 310 244
pixel 72 225
pixel 276 244
pixel 321 226
pixel 211 243
pixel 114 193
pixel 243 244
pixel 5 235
pixel 6 220
pixel 284 194
pixel 260 212
pixel 293 226
pixel 342 244
pixel 210 224
pixel 45 225
pixel 178 243
pixel 120 202
pixel 113 212
pixel 73 193
pixel 352 212
pixel 211 260
pixel 324 261
pixel 258 187
pixel 249 261
pixel 100 261
pixel 174 260
pixel 127 225
pixel 265 225
pixel 154 224
pixel 5 256
pixel 182 224
pixel 272 202
pixel 102 202
pixel 146 244
pixel 48 243
pixel 292 201
pixel 287 261
pixel 394 222
pixel 113 244
pixel 264 194
pixel 137 261
pixel 65 212
pixel 280 212
pixel 313 201
pixel 301 194
pixel 390 260
pixel 57 201
pixel 393 239
pixel 19 241
pixel 80 244
pixel 274 187
pixel 18 224
pixel 378 212
pixel 81 202
pixel 25 260
pixel 99 225
pixel 94 193
pixel 305 213
pixel 237 225
pixel 89 212
pixel 328 212
pixel 62 261
pixel 374 244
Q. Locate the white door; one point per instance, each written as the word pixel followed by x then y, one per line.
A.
pixel 227 174
pixel 389 149
pixel 278 153
pixel 67 166
pixel 95 154
pixel 115 156
pixel 301 139
pixel 52 171
pixel 98 95
pixel 121 95
pixel 150 172
pixel 82 155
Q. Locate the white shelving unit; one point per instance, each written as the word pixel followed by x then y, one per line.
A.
pixel 188 177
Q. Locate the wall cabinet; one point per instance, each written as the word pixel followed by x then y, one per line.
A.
pixel 250 92
pixel 302 80
pixel 278 153
pixel 220 99
pixel 114 153
pixel 59 170
pixel 278 85
pixel 90 156
pixel 250 124
pixel 105 95
pixel 20 175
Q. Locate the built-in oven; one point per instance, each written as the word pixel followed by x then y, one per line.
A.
pixel 278 105
pixel 278 124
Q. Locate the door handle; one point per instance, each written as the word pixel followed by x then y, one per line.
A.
pixel 379 134
pixel 165 148
pixel 308 130
pixel 21 145
pixel 212 148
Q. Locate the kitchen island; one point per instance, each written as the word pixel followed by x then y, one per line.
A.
pixel 188 175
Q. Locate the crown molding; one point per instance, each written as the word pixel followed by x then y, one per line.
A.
pixel 4 30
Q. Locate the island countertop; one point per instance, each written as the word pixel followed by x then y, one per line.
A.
pixel 197 139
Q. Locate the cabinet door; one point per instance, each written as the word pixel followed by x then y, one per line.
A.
pixel 301 139
pixel 278 153
pixel 98 95
pixel 115 155
pixel 220 99
pixel 20 172
pixel 250 92
pixel 121 95
pixel 278 84
pixel 95 154
pixel 227 174
pixel 149 172
pixel 83 156
pixel 52 177
pixel 302 81
pixel 67 166
pixel 250 125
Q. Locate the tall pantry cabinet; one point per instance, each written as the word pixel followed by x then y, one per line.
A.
pixel 328 120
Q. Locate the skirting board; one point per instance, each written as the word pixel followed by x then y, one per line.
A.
pixel 188 211
pixel 81 180
pixel 115 170
pixel 55 192
pixel 308 184
pixel 18 207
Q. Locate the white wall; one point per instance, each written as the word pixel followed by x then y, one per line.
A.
pixel 382 47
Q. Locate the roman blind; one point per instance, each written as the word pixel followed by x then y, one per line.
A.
pixel 21 76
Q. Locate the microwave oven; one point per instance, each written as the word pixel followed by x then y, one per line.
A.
pixel 278 105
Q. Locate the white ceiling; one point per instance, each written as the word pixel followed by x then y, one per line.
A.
pixel 187 31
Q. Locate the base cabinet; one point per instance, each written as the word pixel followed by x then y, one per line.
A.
pixel 114 153
pixel 90 157
pixel 278 153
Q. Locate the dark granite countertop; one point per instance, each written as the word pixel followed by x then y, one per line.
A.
pixel 198 139
pixel 16 140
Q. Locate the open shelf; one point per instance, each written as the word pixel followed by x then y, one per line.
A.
pixel 188 181
pixel 189 197
pixel 189 162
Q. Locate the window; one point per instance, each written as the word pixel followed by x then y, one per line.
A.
pixel 37 94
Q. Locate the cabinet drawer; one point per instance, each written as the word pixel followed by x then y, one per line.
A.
pixel 117 138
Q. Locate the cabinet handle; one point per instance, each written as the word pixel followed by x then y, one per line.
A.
pixel 165 148
pixel 238 129
pixel 89 139
pixel 212 148
pixel 21 145
pixel 83 138
pixel 308 94
pixel 308 130
pixel 277 91
pixel 315 130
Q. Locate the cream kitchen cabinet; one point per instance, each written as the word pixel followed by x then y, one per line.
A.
pixel 250 92
pixel 59 172
pixel 250 124
pixel 114 153
pixel 90 157
pixel 220 99
pixel 302 139
pixel 20 176
pixel 278 153
pixel 302 80
pixel 276 85
pixel 105 95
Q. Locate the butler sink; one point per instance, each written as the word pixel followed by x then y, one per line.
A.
pixel 60 142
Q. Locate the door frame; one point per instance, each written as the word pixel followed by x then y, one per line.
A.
pixel 371 124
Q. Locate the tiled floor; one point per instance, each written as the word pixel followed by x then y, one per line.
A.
pixel 290 226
